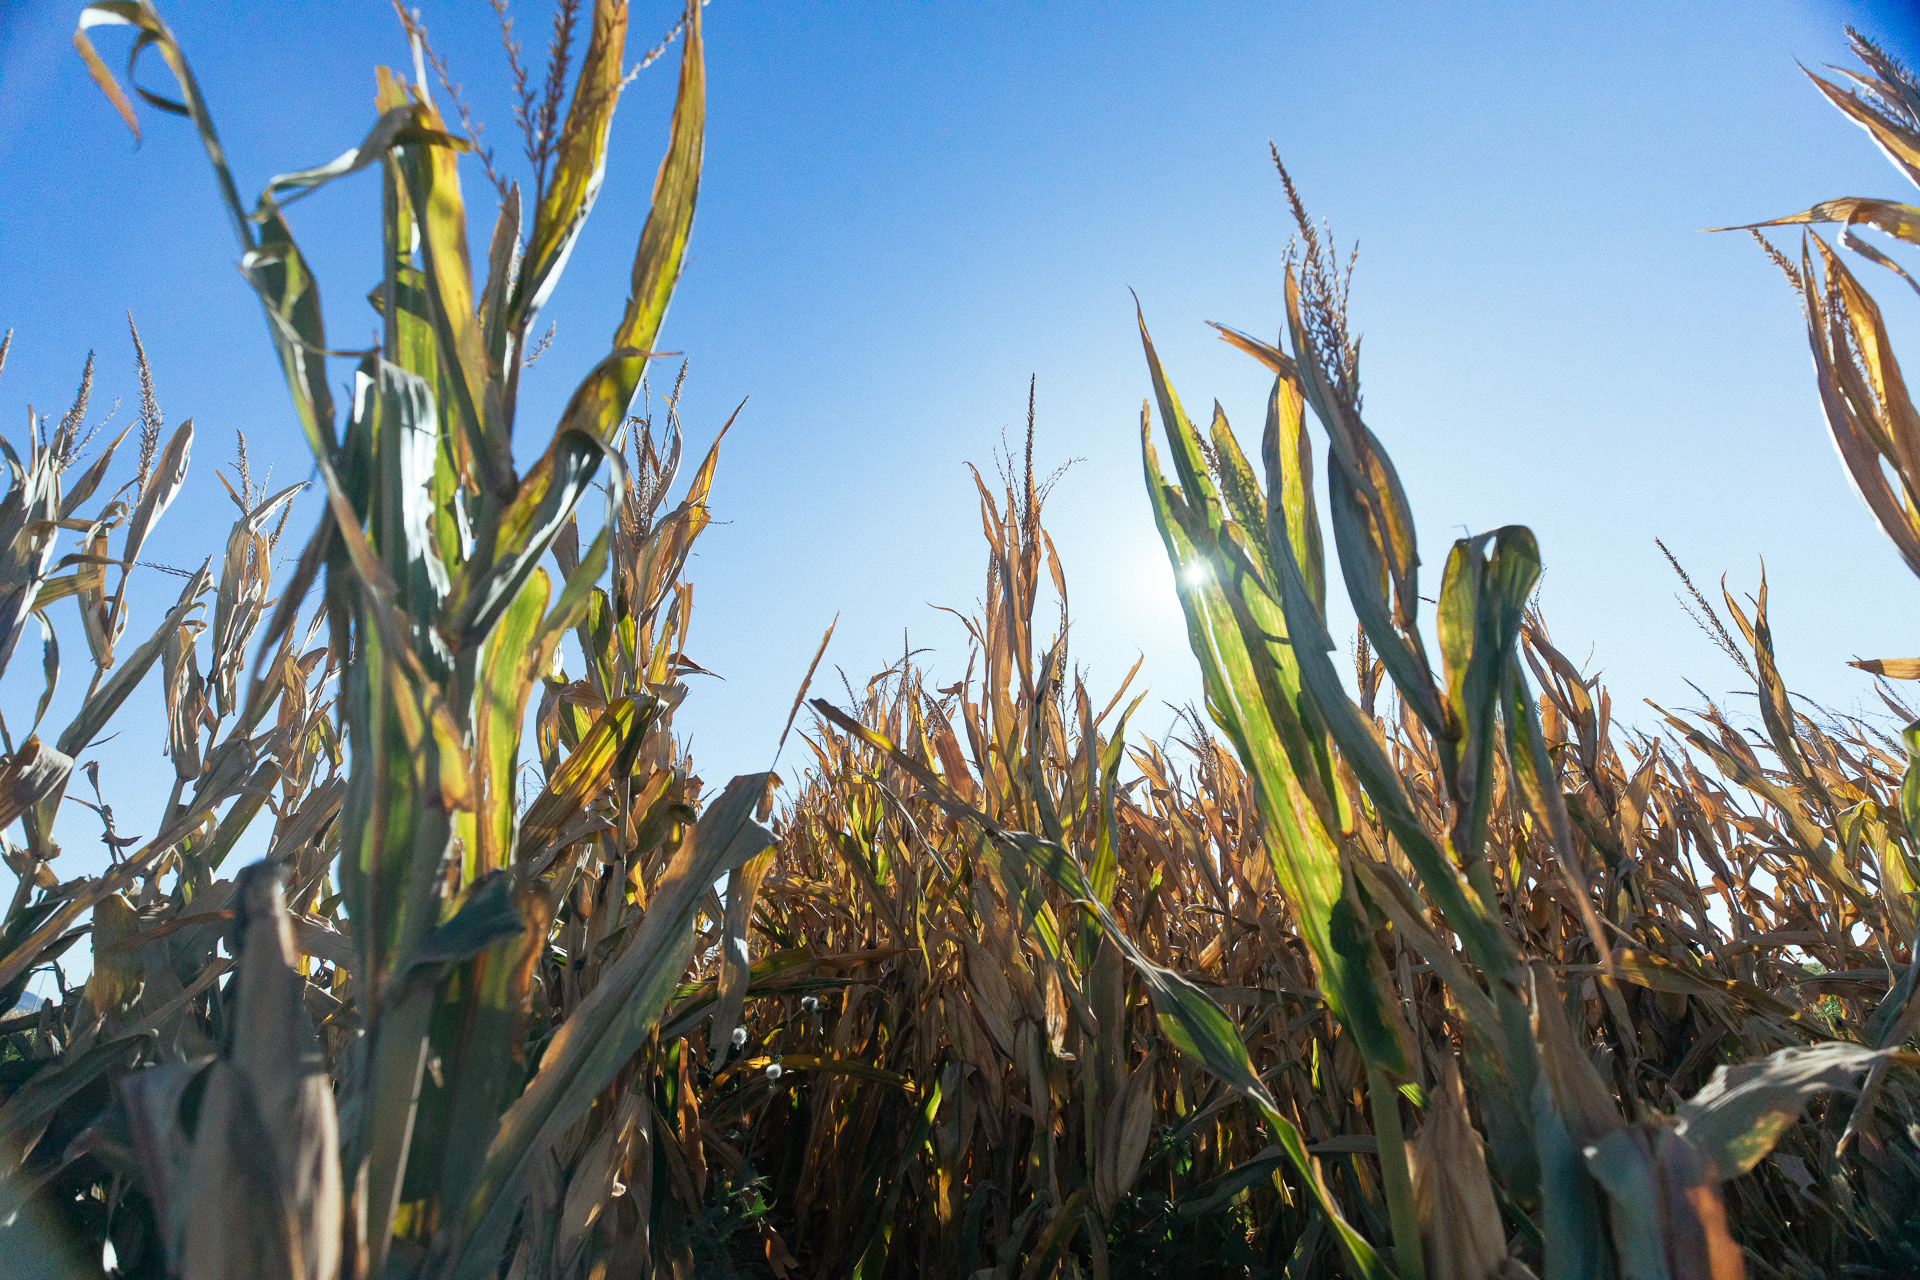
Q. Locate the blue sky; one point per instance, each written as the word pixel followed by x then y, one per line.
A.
pixel 908 210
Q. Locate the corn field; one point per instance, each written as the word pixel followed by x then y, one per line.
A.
pixel 1381 967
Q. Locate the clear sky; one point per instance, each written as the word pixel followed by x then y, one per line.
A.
pixel 909 209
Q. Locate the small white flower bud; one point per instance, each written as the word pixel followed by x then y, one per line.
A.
pixel 739 1037
pixel 773 1071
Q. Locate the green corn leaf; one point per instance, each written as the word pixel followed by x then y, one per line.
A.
pixel 271 261
pixel 518 654
pixel 399 1046
pixel 1239 492
pixel 663 241
pixel 607 1028
pixel 493 298
pixel 606 752
pixel 580 165
pixel 284 189
pixel 1570 1218
pixel 1372 523
pixel 873 1258
pixel 487 1010
pixel 1106 863
pixel 1364 754
pixel 416 778
pixel 1357 452
pixel 433 191
pixel 1738 1117
pixel 1292 524
pixel 486 918
pixel 1189 462
pixel 1234 626
pixel 1363 570
pixel 521 534
pixel 1486 941
pixel 1482 600
pixel 407 512
pixel 500 708
pixel 290 298
pixel 1622 1166
pixel 396 811
pixel 1221 1191
pixel 153 34
pixel 512 544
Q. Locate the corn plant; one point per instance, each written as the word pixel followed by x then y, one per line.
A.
pixel 1345 828
pixel 431 897
pixel 1863 394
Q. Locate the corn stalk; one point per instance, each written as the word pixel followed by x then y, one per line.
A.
pixel 441 622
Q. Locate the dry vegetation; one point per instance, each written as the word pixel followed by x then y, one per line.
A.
pixel 1399 971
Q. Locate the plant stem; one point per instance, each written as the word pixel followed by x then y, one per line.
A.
pixel 1395 1175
